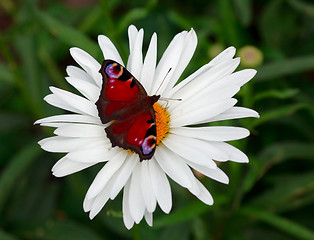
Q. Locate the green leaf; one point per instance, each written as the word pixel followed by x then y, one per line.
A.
pixel 28 81
pixel 34 194
pixel 287 196
pixel 274 154
pixel 91 19
pixel 180 231
pixel 289 227
pixel 67 34
pixel 11 121
pixel 286 67
pixel 244 8
pixel 280 94
pixel 31 75
pixel 278 112
pixel 269 16
pixel 199 229
pixel 65 230
pixel 17 165
pixel 6 236
pixel 185 213
pixel 131 16
pixel 180 20
pixel 228 23
pixel 285 151
pixel 50 64
pixel 5 74
pixel 304 7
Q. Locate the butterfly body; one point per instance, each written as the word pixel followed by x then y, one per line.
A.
pixel 124 101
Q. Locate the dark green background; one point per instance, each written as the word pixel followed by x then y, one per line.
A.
pixel 272 197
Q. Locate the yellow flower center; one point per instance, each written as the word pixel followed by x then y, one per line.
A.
pixel 162 122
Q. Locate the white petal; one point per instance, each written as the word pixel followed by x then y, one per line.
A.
pixel 161 186
pixel 235 113
pixel 109 50
pixel 197 74
pixel 88 63
pixel 211 76
pixel 206 70
pixel 185 147
pixel 148 71
pixel 79 73
pixel 201 115
pixel 88 204
pixel 200 146
pixel 127 218
pixel 206 147
pixel 212 133
pixel 132 32
pixel 71 118
pixel 55 124
pixel 147 189
pixel 105 174
pixel 66 167
pixel 100 200
pixel 233 153
pixel 98 204
pixel 210 94
pixel 216 174
pixel 169 60
pixel 174 166
pixel 190 42
pixel 124 174
pixel 90 154
pixel 149 218
pixel 136 201
pixel 64 144
pixel 241 77
pixel 201 193
pixel 80 130
pixel 225 55
pixel 89 90
pixel 135 61
pixel 72 102
pixel 211 91
pixel 54 100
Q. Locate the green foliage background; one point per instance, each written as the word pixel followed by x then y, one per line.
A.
pixel 272 197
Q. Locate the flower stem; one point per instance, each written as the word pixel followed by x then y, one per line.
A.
pixel 17 76
pixel 136 232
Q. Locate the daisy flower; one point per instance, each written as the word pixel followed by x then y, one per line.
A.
pixel 206 96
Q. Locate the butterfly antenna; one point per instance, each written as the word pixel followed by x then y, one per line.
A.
pixel 163 80
pixel 167 99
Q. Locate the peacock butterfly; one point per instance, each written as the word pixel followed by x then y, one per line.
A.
pixel 124 101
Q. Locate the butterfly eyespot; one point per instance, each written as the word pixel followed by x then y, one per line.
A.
pixel 149 144
pixel 114 70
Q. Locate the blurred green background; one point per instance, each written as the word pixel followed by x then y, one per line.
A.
pixel 272 197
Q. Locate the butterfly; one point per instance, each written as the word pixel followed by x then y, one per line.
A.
pixel 124 102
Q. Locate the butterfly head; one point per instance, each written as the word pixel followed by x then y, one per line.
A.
pixel 154 98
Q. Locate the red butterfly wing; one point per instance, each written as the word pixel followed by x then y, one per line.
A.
pixel 124 101
pixel 119 90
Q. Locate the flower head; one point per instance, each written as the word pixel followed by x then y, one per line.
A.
pixel 206 96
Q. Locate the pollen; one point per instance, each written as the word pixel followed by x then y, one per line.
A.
pixel 162 122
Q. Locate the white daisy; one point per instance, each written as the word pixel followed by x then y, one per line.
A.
pixel 206 97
